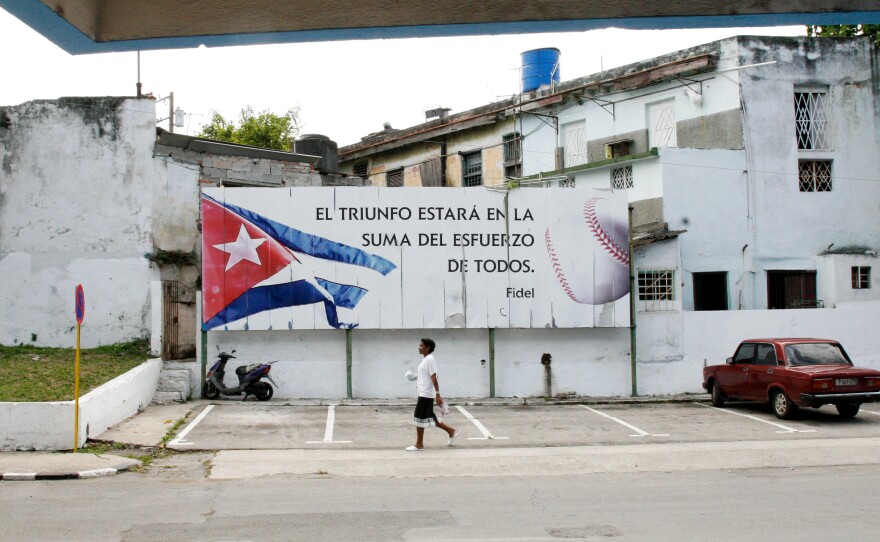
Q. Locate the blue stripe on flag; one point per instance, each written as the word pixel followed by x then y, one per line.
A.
pixel 313 245
pixel 263 298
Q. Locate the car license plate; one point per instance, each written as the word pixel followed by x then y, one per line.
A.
pixel 846 381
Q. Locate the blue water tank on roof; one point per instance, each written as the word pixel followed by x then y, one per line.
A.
pixel 539 67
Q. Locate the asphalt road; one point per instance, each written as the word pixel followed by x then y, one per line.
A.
pixel 174 501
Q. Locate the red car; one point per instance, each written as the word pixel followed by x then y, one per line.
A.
pixel 792 373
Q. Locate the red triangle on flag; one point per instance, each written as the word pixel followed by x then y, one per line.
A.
pixel 236 255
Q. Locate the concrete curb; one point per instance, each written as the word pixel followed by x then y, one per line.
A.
pixel 473 401
pixel 28 466
pixel 28 476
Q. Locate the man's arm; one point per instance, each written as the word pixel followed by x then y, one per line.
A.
pixel 436 387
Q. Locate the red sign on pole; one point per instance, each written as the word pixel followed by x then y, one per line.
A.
pixel 80 304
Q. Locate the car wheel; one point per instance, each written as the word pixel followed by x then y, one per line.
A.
pixel 782 405
pixel 717 396
pixel 848 410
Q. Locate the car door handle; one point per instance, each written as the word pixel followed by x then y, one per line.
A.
pixel 769 371
pixel 745 369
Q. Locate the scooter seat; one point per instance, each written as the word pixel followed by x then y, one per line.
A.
pixel 245 369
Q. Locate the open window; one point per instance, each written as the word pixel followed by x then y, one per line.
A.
pixel 792 290
pixel 710 291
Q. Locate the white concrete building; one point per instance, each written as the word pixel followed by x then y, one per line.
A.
pixel 752 166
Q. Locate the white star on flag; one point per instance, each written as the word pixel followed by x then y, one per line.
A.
pixel 244 248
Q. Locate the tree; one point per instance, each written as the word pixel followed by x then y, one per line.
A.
pixel 846 31
pixel 265 129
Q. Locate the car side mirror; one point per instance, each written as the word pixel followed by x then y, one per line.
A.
pixel 729 361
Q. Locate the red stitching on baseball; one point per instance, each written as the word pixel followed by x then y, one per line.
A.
pixel 604 240
pixel 557 268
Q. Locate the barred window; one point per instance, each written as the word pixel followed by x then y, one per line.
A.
pixel 861 277
pixel 395 177
pixel 622 177
pixel 656 285
pixel 472 169
pixel 811 120
pixel 814 175
pixel 567 182
pixel 512 148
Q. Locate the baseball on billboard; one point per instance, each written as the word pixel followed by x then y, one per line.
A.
pixel 589 250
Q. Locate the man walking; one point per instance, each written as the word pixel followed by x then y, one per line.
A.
pixel 428 388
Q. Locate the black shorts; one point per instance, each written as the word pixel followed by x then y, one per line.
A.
pixel 424 415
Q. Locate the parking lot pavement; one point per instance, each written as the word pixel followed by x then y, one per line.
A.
pixel 237 425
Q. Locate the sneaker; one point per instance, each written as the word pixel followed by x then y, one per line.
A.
pixel 413 449
pixel 451 441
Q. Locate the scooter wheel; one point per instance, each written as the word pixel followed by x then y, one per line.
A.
pixel 211 391
pixel 264 391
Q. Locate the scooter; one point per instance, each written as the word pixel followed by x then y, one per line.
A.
pixel 249 379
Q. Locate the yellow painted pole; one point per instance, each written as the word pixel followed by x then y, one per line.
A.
pixel 76 395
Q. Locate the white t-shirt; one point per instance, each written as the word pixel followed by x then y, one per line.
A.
pixel 424 385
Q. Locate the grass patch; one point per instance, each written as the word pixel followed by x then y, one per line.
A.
pixel 35 374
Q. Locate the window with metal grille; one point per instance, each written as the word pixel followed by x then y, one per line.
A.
pixel 472 169
pixel 574 144
pixel 394 178
pixel 512 148
pixel 811 120
pixel 568 182
pixel 661 124
pixel 861 277
pixel 361 169
pixel 814 175
pixel 656 285
pixel 622 177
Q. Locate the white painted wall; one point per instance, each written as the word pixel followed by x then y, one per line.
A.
pixel 672 348
pixel 49 426
pixel 834 279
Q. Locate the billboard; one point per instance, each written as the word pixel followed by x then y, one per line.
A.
pixel 414 258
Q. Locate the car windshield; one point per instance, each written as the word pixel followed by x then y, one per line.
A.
pixel 815 354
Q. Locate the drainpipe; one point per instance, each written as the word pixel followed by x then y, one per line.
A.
pixel 491 362
pixel 348 363
pixel 443 163
pixel 632 310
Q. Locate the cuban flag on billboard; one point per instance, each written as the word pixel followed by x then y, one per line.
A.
pixel 252 264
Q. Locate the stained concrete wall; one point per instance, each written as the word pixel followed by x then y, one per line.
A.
pixel 82 200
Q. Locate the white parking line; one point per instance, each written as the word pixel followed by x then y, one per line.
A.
pixel 785 428
pixel 872 412
pixel 178 441
pixel 623 423
pixel 328 430
pixel 486 434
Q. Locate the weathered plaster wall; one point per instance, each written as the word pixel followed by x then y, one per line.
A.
pixel 82 200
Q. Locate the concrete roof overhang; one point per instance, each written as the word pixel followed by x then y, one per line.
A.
pixel 96 26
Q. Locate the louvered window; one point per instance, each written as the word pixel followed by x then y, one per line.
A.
pixel 395 177
pixel 811 118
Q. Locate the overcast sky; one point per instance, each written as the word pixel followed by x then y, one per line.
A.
pixel 345 90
